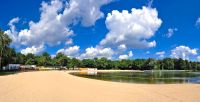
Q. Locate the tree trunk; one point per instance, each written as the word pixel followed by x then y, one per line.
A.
pixel 1 59
pixel 1 53
pixel 0 63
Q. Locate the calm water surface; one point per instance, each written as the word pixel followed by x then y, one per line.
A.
pixel 150 77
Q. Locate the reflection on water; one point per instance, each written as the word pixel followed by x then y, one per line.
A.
pixel 86 73
pixel 151 77
pixel 91 72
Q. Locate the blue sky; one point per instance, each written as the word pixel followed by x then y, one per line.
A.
pixel 176 35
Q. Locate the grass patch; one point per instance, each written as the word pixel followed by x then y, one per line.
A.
pixel 2 73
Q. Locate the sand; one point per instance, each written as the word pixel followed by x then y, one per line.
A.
pixel 59 86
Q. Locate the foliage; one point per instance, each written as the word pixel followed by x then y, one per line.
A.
pixel 101 63
pixel 4 48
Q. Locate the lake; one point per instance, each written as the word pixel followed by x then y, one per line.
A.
pixel 145 77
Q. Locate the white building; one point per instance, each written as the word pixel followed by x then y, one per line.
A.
pixel 28 67
pixel 88 69
pixel 12 67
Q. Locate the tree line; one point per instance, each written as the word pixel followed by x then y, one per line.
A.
pixel 10 56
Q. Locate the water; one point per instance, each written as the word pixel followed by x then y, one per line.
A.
pixel 148 77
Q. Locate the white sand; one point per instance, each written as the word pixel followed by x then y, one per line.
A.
pixel 59 86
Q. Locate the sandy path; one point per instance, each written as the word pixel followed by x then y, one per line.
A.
pixel 58 86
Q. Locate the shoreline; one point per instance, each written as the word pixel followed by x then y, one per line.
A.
pixel 105 71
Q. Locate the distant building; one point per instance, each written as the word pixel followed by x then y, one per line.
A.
pixel 88 69
pixel 12 67
pixel 20 67
pixel 28 67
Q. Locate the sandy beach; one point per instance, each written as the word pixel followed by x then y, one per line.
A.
pixel 59 86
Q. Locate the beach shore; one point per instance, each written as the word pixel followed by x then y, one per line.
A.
pixel 60 86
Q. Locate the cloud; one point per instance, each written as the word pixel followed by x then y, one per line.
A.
pixel 132 29
pixel 126 56
pixel 183 52
pixel 33 50
pixel 12 33
pixel 161 54
pixel 122 47
pixel 56 19
pixel 69 42
pixel 53 56
pixel 85 11
pixel 48 30
pixel 198 22
pixel 198 58
pixel 130 54
pixel 147 52
pixel 171 32
pixel 150 3
pixel 97 52
pixel 123 57
pixel 12 22
pixel 71 51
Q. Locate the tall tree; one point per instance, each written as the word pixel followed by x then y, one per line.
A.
pixel 20 58
pixel 61 60
pixel 4 44
pixel 75 63
pixel 44 59
pixel 88 63
pixel 30 59
pixel 150 64
pixel 101 63
pixel 168 63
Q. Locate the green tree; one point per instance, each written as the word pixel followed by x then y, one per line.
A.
pixel 150 64
pixel 88 63
pixel 30 59
pixel 46 56
pixel 30 62
pixel 62 60
pixel 20 58
pixel 125 64
pixel 4 44
pixel 44 59
pixel 138 64
pixel 75 63
pixel 168 64
pixel 101 63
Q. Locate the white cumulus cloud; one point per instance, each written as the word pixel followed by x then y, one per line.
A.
pixel 198 22
pixel 84 11
pixel 161 54
pixel 171 32
pixel 147 52
pixel 48 30
pixel 56 19
pixel 198 58
pixel 126 56
pixel 97 52
pixel 123 57
pixel 130 54
pixel 12 33
pixel 183 52
pixel 33 50
pixel 71 51
pixel 69 41
pixel 132 29
pixel 12 22
pixel 122 47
